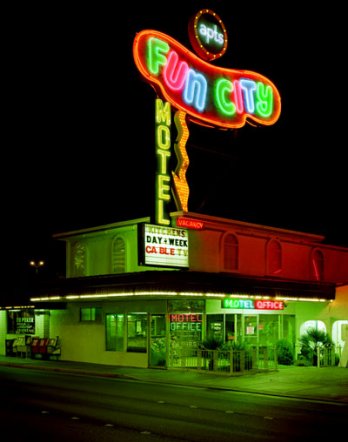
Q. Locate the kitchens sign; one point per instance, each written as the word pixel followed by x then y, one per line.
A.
pixel 165 246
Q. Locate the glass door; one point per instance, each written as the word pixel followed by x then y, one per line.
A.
pixel 158 345
pixel 250 329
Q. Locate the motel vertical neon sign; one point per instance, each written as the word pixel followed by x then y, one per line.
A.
pixel 163 153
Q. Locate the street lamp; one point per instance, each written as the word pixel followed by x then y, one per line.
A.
pixel 37 265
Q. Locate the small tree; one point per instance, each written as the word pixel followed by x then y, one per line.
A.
pixel 311 341
pixel 211 344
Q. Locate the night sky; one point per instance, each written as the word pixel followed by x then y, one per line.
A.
pixel 79 119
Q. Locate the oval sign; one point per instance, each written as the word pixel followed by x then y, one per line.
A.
pixel 208 35
pixel 210 95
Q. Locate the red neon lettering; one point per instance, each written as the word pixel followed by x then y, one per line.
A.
pixel 189 223
pixel 186 317
pixel 269 305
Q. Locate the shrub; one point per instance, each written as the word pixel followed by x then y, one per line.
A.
pixel 285 355
pixel 311 341
pixel 212 344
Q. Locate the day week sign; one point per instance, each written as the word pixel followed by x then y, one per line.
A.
pixel 165 246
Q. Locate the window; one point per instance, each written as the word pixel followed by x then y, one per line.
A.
pixel 215 327
pixel 21 321
pixel 137 332
pixel 114 326
pixel 230 251
pixel 79 259
pixel 90 314
pixel 274 256
pixel 230 328
pixel 118 255
pixel 186 306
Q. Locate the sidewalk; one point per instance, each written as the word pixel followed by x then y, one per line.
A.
pixel 325 384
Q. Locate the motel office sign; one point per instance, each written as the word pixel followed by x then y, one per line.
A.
pixel 252 304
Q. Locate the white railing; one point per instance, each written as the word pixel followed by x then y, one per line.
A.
pixel 326 355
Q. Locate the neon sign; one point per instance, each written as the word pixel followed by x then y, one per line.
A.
pixel 186 321
pixel 180 186
pixel 186 317
pixel 189 223
pixel 210 95
pixel 208 35
pixel 252 304
pixel 163 153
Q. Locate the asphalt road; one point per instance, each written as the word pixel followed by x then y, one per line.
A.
pixel 54 406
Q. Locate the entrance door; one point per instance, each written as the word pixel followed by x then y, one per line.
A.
pixel 158 345
pixel 250 329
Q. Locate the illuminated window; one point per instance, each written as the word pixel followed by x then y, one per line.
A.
pixel 230 250
pixel 274 256
pixel 114 328
pixel 21 322
pixel 317 264
pixel 215 327
pixel 137 332
pixel 118 255
pixel 90 314
pixel 186 305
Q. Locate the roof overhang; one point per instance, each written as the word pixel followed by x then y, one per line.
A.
pixel 180 283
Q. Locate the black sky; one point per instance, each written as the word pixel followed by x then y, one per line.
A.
pixel 78 145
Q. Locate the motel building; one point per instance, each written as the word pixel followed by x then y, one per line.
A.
pixel 143 295
pixel 149 292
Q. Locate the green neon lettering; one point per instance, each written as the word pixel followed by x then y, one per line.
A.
pixel 264 101
pixel 156 55
pixel 222 90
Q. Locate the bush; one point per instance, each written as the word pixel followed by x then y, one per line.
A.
pixel 212 344
pixel 243 354
pixel 302 362
pixel 285 355
pixel 311 341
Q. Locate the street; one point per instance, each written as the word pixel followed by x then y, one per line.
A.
pixel 56 406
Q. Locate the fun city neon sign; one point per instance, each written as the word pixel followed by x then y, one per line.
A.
pixel 209 95
pixel 199 92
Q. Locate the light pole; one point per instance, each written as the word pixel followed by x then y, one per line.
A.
pixel 37 265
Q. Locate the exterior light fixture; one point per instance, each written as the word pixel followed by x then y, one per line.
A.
pixel 37 265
